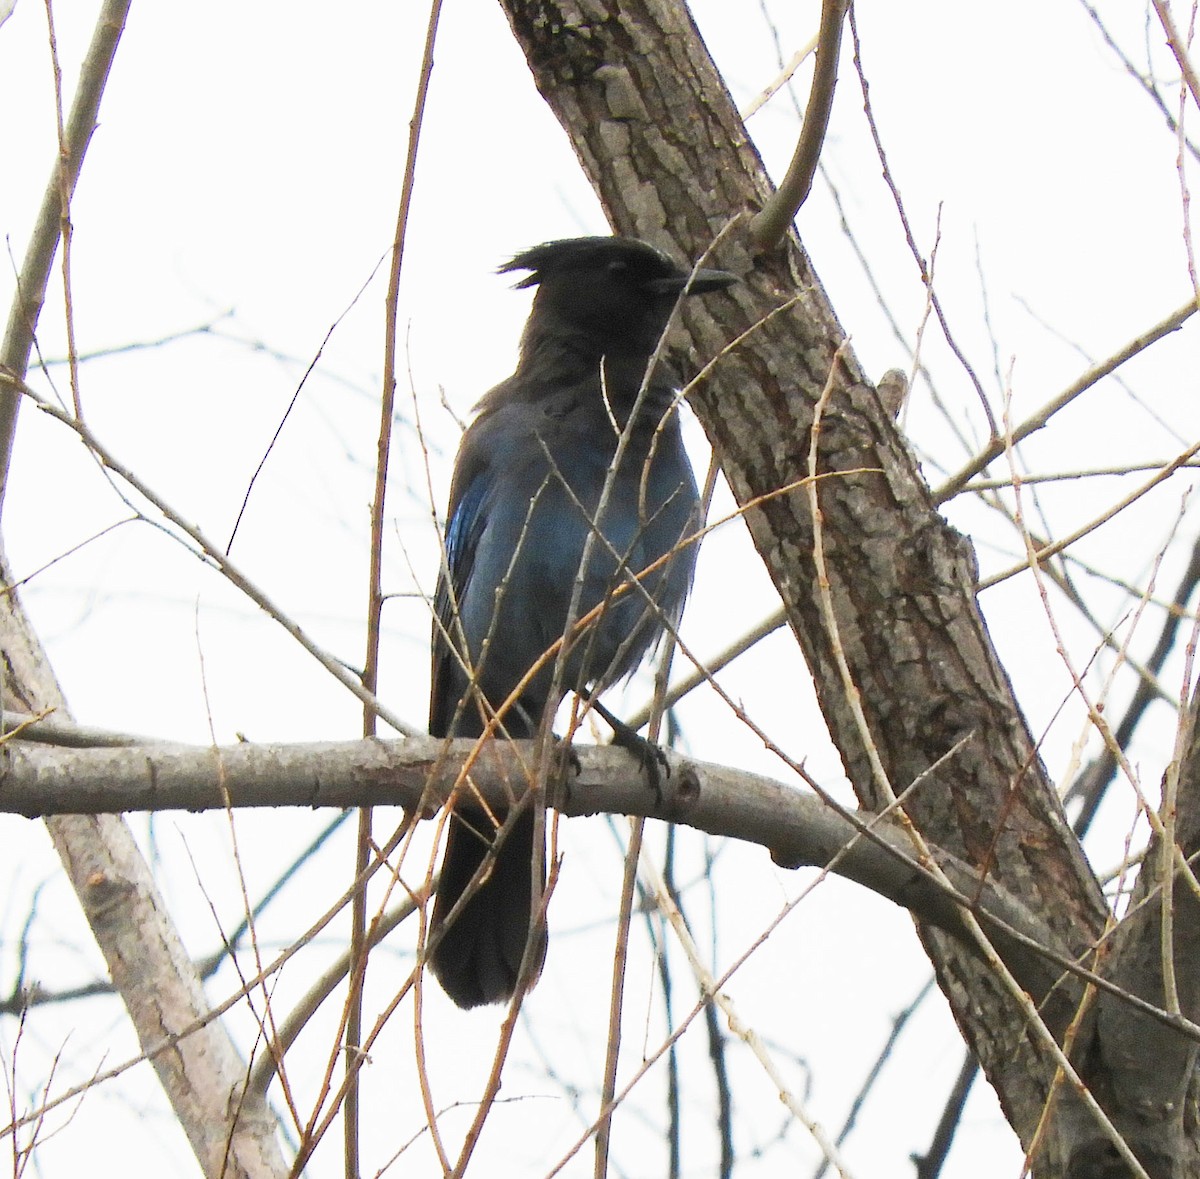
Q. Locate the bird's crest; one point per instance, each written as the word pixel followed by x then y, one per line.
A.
pixel 590 253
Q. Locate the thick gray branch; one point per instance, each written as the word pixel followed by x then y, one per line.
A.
pixel 797 828
pixel 653 126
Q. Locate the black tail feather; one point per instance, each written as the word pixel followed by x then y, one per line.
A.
pixel 478 956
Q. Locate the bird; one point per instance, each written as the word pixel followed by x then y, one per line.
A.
pixel 583 438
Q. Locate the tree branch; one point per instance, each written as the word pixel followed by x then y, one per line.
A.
pixel 419 774
pixel 671 161
pixel 230 1135
pixel 1097 372
pixel 26 308
pixel 768 227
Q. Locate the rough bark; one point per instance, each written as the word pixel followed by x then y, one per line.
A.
pixel 656 132
pixel 1145 1071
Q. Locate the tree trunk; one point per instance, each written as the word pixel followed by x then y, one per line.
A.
pixel 661 142
pixel 196 1062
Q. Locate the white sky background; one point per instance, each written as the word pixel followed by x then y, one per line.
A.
pixel 246 173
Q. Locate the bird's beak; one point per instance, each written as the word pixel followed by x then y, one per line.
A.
pixel 698 282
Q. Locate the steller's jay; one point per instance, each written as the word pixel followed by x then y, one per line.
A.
pixel 533 470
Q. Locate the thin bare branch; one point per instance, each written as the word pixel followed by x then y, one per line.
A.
pixel 375 598
pixel 211 553
pixel 1091 784
pixel 924 268
pixel 771 223
pixel 26 309
pixel 1036 421
pixel 1179 48
pixel 787 70
pixel 1143 80
pixel 1057 546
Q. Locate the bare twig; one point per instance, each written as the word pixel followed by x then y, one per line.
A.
pixel 929 1165
pixel 1091 784
pixel 17 345
pixel 65 228
pixel 616 999
pixel 1145 82
pixel 876 1070
pixel 1069 476
pixel 210 553
pixel 703 673
pixel 334 975
pixel 787 71
pixel 375 599
pixel 770 224
pixel 1179 48
pixel 1095 373
pixel 46 729
pixel 309 369
pixel 1050 550
pixel 713 992
pixel 923 268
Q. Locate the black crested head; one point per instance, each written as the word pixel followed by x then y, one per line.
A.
pixel 616 290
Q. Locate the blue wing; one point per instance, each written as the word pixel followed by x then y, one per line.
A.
pixel 463 529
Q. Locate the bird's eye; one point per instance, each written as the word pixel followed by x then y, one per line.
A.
pixel 617 266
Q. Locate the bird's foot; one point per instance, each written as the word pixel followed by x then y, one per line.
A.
pixel 564 769
pixel 650 757
pixel 566 760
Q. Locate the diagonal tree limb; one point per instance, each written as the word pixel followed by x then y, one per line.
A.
pixel 160 987
pixel 1092 783
pixel 17 345
pixel 663 147
pixel 143 951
